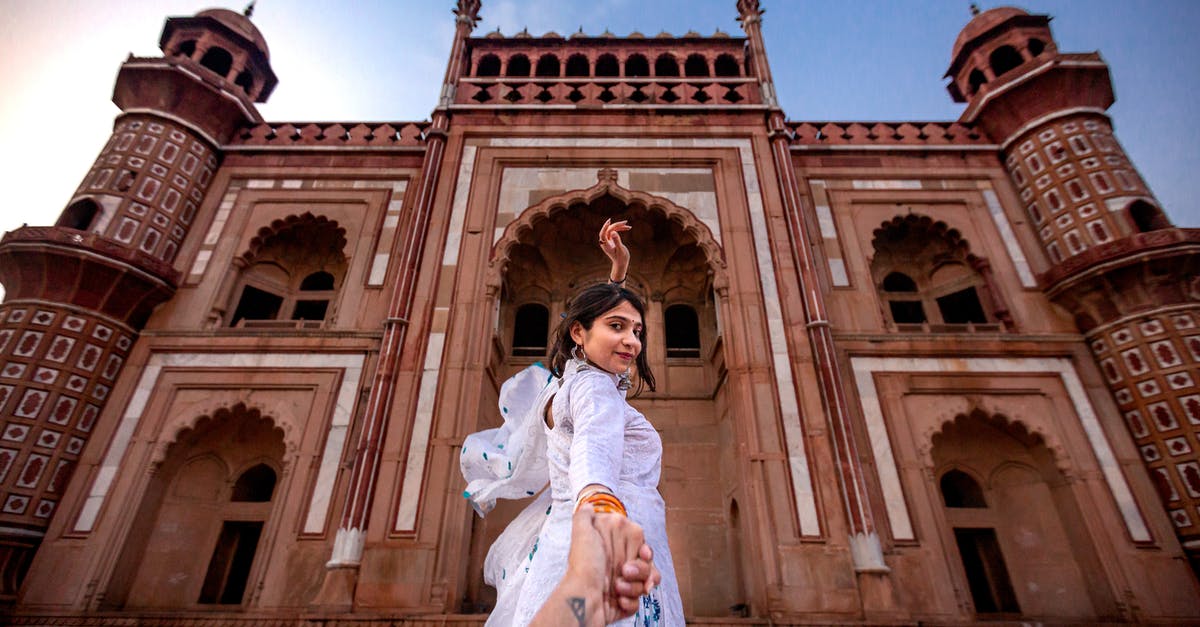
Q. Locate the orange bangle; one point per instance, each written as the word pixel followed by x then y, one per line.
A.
pixel 605 503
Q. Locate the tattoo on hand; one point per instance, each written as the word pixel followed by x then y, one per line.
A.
pixel 578 609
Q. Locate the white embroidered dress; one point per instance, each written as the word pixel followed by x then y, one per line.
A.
pixel 597 438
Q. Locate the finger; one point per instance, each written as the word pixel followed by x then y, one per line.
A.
pixel 646 553
pixel 628 605
pixel 636 570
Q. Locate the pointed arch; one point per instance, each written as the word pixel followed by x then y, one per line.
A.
pixel 606 184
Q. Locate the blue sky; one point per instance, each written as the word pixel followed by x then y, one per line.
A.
pixel 384 60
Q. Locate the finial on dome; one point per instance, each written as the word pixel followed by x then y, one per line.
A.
pixel 249 10
pixel 974 9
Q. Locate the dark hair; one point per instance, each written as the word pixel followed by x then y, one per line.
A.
pixel 588 305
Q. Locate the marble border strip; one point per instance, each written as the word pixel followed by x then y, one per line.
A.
pixel 881 447
pixel 351 366
pixel 829 234
pixel 806 508
pixel 381 255
pixel 1015 254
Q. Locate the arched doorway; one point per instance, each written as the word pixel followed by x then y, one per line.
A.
pixel 1013 531
pixel 546 256
pixel 203 518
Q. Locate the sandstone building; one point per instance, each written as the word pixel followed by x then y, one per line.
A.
pixel 930 371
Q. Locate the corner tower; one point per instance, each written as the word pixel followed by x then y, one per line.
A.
pixel 79 292
pixel 1118 266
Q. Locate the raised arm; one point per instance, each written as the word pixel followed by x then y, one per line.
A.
pixel 614 249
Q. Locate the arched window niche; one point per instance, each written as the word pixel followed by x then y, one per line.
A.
pixel 531 330
pixel 961 490
pixel 291 276
pixel 518 65
pixel 928 280
pixel 1004 59
pixel 218 60
pixel 80 215
pixel 681 328
pixel 637 66
pixel 489 65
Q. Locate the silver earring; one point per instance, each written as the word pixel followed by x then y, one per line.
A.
pixel 578 354
pixel 623 381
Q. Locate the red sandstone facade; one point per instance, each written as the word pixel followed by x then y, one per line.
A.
pixel 931 371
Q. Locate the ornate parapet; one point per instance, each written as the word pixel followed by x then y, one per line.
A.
pixel 810 135
pixel 399 135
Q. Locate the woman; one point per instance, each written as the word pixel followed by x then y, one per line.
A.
pixel 577 431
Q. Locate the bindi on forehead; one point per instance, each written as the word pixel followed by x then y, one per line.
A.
pixel 637 322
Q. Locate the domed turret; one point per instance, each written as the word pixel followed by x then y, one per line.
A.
pixel 94 278
pixel 225 43
pixel 1101 228
pixel 994 43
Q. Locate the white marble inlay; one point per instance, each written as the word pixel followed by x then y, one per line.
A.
pixel 886 184
pixel 458 209
pixel 260 183
pixel 881 448
pixel 806 508
pixel 291 184
pixel 378 269
pixel 837 272
pixel 350 364
pixel 825 221
pixel 414 467
pixel 1010 240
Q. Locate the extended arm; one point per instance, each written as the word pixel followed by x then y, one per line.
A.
pixel 614 249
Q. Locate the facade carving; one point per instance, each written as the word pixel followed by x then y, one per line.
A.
pixel 926 371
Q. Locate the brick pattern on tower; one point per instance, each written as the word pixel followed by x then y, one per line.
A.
pixel 149 180
pixel 1076 182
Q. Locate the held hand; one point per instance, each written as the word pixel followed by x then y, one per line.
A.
pixel 614 248
pixel 609 555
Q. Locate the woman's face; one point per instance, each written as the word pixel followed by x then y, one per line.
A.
pixel 612 343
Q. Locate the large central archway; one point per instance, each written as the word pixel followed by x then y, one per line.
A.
pixel 538 263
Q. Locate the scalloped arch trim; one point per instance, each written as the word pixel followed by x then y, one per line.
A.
pixel 606 184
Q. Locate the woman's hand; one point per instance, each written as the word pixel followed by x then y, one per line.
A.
pixel 614 248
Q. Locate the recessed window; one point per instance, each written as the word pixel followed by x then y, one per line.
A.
pixel 637 66
pixel 1036 46
pixel 1004 59
pixel 666 65
pixel 682 329
pixel 577 66
pixel 531 328
pixel 695 65
pixel 961 490
pixel 547 66
pixel 245 80
pixel 987 575
pixel 79 215
pixel 1146 217
pixel 489 65
pixel 518 65
pixel 256 304
pixel 187 48
pixel 930 278
pixel 976 80
pixel 256 485
pixel 726 65
pixel 280 283
pixel 903 299
pixel 607 65
pixel 229 567
pixel 961 307
pixel 218 60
